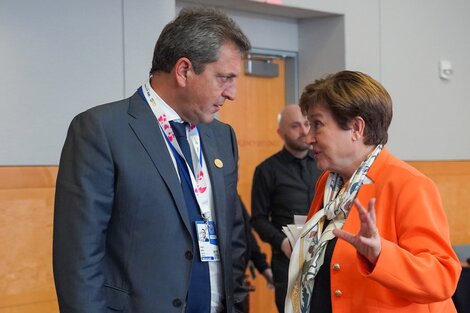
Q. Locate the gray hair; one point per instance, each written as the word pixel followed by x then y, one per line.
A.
pixel 197 34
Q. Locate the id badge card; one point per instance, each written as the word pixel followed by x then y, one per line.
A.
pixel 207 241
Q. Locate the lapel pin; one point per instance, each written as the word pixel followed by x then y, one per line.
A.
pixel 218 163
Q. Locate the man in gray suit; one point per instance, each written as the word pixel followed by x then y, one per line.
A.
pixel 140 178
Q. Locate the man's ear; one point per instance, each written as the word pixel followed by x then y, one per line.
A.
pixel 358 126
pixel 182 71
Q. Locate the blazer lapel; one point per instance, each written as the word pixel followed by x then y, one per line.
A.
pixel 147 130
pixel 217 182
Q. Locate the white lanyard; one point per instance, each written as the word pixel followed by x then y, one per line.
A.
pixel 200 182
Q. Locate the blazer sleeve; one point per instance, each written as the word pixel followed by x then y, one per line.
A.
pixel 419 264
pixel 253 251
pixel 238 241
pixel 83 205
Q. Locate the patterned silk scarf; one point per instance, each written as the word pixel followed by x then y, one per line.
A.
pixel 309 250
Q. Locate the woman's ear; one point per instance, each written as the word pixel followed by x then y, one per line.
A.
pixel 358 126
pixel 182 71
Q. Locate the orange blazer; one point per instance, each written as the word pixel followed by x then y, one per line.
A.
pixel 417 270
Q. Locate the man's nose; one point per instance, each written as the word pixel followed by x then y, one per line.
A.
pixel 310 137
pixel 305 129
pixel 230 92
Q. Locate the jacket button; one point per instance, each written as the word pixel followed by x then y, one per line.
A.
pixel 338 293
pixel 177 302
pixel 336 267
pixel 189 255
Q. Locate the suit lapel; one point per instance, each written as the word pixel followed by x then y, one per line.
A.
pixel 148 132
pixel 217 181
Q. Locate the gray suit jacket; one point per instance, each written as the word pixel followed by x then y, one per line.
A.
pixel 122 240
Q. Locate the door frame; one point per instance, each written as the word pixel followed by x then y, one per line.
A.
pixel 291 60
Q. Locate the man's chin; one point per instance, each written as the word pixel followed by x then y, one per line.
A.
pixel 303 148
pixel 206 119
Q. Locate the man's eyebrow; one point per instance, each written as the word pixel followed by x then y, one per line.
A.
pixel 227 75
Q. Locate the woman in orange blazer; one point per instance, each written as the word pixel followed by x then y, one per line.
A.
pixel 394 256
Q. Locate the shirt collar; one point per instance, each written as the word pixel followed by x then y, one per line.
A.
pixel 171 114
pixel 289 157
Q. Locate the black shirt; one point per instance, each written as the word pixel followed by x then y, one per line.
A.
pixel 321 295
pixel 280 192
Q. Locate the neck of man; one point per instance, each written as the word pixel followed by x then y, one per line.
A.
pixel 162 84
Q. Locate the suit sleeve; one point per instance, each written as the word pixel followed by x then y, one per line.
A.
pixel 421 266
pixel 238 243
pixel 83 205
pixel 253 250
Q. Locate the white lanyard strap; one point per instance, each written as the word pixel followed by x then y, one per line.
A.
pixel 199 178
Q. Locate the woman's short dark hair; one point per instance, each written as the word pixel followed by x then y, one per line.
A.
pixel 197 34
pixel 348 94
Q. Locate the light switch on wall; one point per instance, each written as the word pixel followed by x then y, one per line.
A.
pixel 445 69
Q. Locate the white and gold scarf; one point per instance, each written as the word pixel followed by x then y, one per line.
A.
pixel 309 250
